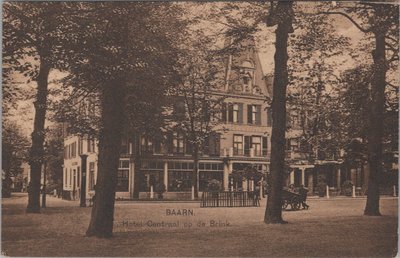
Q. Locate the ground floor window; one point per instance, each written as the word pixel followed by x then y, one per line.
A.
pixel 244 174
pixel 206 176
pixel 150 178
pixel 123 176
pixel 65 178
pixel 180 180
pixel 91 176
pixel 79 178
pixel 209 171
pixel 151 174
pixel 70 177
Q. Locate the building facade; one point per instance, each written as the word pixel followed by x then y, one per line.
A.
pixel 244 143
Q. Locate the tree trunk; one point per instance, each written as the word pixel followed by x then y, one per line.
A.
pixel 273 212
pixel 376 124
pixel 38 136
pixel 112 99
pixel 195 170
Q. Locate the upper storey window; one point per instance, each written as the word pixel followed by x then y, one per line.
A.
pixel 247 75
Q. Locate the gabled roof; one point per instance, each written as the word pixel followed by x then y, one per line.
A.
pixel 246 58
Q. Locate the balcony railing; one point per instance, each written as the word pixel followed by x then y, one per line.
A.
pixel 231 152
pixel 294 155
pixel 257 153
pixel 238 152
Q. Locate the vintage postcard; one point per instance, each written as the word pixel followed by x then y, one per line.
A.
pixel 200 129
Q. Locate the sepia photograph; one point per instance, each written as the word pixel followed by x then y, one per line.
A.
pixel 200 128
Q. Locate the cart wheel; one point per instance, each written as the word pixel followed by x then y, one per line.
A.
pixel 284 205
pixel 295 206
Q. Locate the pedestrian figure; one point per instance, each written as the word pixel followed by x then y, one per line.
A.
pixel 161 188
pixel 303 195
pixel 266 188
pixel 257 195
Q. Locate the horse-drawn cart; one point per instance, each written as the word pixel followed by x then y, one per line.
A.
pixel 291 198
pixel 295 200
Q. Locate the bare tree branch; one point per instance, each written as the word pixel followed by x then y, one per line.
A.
pixel 351 20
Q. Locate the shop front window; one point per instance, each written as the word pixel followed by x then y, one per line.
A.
pixel 151 174
pixel 208 172
pixel 180 181
pixel 91 176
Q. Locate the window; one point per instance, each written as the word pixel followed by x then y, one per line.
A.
pixel 80 146
pixel 254 114
pixel 73 150
pixel 295 119
pixel 189 148
pixel 214 144
pixel 78 184
pixel 151 174
pixel 123 176
pixel 74 181
pixel 235 113
pixel 247 145
pixel 206 176
pixel 146 145
pixel 238 144
pixel 246 80
pixel 256 145
pixel 65 178
pixel 264 146
pixel 124 149
pixel 91 176
pixel 150 178
pixel 269 116
pixel 158 146
pixel 70 177
pixel 178 143
pixel 292 144
pixel 180 176
pixel 91 145
pixel 180 181
pixel 246 83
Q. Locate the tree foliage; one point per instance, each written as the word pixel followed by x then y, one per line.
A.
pixel 14 148
pixel 120 50
pixel 32 34
pixel 198 97
pixel 314 75
pixel 381 21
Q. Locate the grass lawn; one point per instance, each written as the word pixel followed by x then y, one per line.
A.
pixel 330 228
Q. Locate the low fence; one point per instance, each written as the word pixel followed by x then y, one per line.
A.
pixel 229 199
